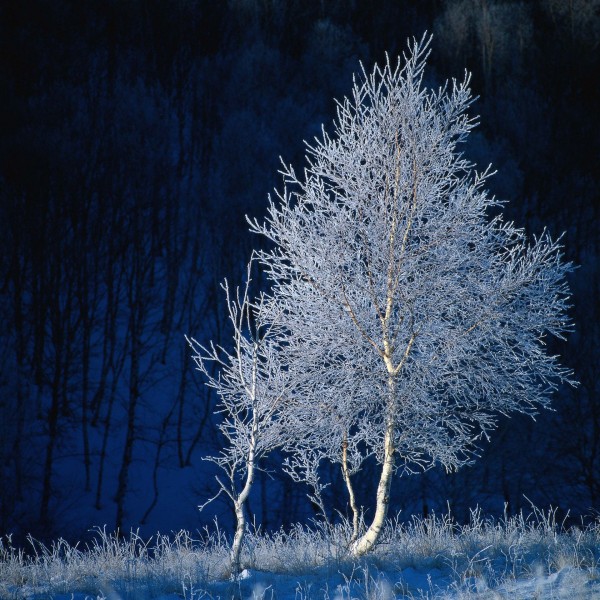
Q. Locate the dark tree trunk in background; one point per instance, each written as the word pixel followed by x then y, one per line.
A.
pixel 52 421
pixel 137 282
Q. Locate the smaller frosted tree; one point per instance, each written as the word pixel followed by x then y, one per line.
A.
pixel 414 309
pixel 251 383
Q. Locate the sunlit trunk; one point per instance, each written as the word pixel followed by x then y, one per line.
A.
pixel 366 542
pixel 238 538
pixel 240 515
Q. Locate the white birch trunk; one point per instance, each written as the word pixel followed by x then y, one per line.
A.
pixel 240 516
pixel 238 538
pixel 366 542
pixel 240 501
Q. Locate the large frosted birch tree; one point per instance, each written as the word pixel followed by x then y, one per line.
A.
pixel 415 310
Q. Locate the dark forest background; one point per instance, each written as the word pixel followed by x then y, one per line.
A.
pixel 135 135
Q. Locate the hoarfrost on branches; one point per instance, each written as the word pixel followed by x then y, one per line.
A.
pixel 251 382
pixel 416 312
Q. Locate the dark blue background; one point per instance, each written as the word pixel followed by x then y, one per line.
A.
pixel 135 137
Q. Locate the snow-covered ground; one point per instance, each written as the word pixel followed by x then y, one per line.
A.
pixel 523 557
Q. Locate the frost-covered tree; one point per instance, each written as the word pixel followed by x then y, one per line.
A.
pixel 251 382
pixel 414 309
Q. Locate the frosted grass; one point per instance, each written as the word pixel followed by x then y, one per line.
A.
pixel 525 556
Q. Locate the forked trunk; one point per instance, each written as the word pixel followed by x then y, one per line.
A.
pixel 366 542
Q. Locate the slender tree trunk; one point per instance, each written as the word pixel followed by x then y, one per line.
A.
pixel 138 287
pixel 238 538
pixel 87 461
pixel 199 430
pixel 53 416
pixel 240 513
pixel 155 489
pixel 87 324
pixel 113 362
pixel 105 436
pixel 181 419
pixel 350 488
pixel 131 435
pixel 18 439
pixel 162 441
